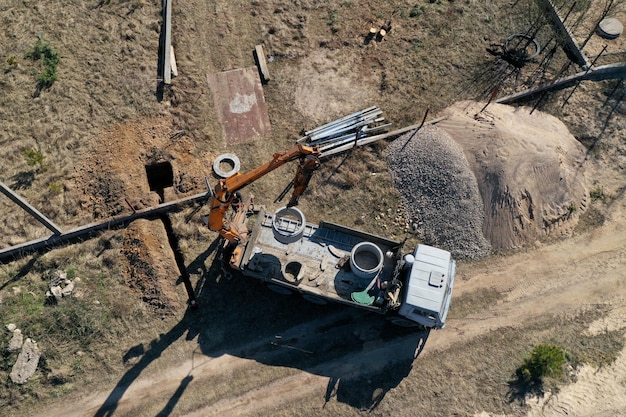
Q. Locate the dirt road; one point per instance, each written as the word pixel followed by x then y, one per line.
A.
pixel 554 279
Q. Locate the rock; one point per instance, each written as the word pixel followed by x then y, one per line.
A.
pixel 57 292
pixel 26 363
pixel 11 327
pixel 17 290
pixel 55 277
pixel 16 341
pixel 67 290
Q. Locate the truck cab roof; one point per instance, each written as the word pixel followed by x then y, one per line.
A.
pixel 429 286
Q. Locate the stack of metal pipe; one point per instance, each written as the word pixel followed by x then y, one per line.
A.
pixel 347 132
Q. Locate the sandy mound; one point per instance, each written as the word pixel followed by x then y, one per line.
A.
pixel 499 178
pixel 528 167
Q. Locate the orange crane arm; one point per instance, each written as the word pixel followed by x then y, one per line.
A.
pixel 225 191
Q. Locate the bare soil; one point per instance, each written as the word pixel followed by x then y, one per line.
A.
pixel 247 352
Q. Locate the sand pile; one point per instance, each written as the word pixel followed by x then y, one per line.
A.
pixel 527 169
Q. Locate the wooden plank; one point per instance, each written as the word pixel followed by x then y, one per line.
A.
pixel 262 63
pixel 30 209
pixel 173 62
pixel 167 44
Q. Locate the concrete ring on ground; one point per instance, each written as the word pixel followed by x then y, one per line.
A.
pixel 528 39
pixel 226 157
pixel 610 28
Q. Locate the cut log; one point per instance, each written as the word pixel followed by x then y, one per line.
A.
pixel 167 21
pixel 173 62
pixel 262 63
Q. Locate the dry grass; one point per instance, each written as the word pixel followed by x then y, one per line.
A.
pixel 433 56
pixel 475 376
pixel 474 302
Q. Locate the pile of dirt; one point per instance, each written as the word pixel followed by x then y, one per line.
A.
pixel 529 168
pixel 526 168
pixel 112 177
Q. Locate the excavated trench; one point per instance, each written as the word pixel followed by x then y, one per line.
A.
pixel 160 176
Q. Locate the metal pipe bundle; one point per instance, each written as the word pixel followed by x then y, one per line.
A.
pixel 350 129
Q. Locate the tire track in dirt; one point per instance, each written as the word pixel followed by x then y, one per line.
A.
pixel 203 367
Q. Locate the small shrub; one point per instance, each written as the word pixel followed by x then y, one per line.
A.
pixel 416 12
pixel 597 194
pixel 571 208
pixel 44 51
pixel 55 188
pixel 34 157
pixel 544 361
pixel 332 18
pixel 47 77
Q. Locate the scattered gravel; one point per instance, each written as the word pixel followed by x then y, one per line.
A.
pixel 440 192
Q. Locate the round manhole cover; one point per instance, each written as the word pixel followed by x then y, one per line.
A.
pixel 610 28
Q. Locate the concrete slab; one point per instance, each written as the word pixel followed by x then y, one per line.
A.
pixel 239 100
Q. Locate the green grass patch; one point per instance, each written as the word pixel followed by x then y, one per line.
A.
pixel 545 360
pixel 34 157
pixel 42 50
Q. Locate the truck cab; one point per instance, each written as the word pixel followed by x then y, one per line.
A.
pixel 428 291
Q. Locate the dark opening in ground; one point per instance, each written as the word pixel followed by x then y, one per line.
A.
pixel 160 176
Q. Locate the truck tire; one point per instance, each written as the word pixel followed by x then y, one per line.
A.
pixel 279 289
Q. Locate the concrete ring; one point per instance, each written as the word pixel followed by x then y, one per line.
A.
pixel 226 157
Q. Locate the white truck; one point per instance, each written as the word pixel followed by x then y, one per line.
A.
pixel 328 262
pixel 332 263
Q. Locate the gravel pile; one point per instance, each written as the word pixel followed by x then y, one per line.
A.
pixel 439 191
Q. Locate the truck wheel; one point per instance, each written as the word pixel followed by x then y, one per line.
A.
pixel 402 322
pixel 315 300
pixel 279 290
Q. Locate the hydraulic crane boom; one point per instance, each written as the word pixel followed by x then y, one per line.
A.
pixel 225 192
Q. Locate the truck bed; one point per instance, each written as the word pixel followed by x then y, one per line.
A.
pixel 312 264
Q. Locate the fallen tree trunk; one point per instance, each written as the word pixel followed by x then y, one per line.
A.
pixel 605 72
